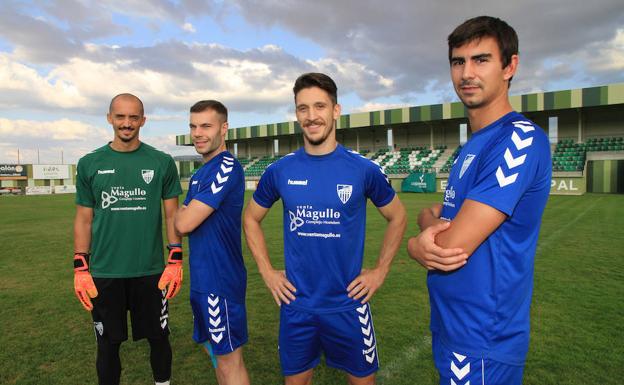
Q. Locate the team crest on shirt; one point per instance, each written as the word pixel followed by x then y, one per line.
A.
pixel 344 192
pixel 147 175
pixel 467 162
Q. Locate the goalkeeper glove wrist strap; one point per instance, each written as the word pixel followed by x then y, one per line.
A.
pixel 81 261
pixel 175 253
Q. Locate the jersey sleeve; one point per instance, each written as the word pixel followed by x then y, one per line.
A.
pixel 189 195
pixel 217 186
pixel 266 193
pixel 171 182
pixel 84 194
pixel 378 188
pixel 510 168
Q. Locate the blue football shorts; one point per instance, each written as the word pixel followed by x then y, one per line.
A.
pixel 456 368
pixel 219 321
pixel 346 338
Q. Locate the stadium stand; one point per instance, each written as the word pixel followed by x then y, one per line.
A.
pixel 408 159
pixel 567 156
pixel 256 167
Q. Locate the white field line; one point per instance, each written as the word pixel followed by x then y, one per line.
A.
pixel 402 362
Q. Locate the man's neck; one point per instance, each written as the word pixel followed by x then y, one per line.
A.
pixel 209 156
pixel 484 116
pixel 324 148
pixel 121 146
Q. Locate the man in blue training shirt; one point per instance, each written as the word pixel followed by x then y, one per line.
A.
pixel 325 292
pixel 479 245
pixel 211 215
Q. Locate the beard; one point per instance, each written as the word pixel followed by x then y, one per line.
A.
pixel 213 145
pixel 322 139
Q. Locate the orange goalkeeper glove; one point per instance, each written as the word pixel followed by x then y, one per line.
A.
pixel 83 282
pixel 172 275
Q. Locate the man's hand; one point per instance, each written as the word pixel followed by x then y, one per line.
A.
pixel 423 249
pixel 172 275
pixel 84 288
pixel 280 287
pixel 366 284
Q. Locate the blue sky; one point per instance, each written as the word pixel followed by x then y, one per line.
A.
pixel 62 60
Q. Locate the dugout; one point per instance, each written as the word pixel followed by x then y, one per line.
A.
pixel 571 119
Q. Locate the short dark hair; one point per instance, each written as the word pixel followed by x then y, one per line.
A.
pixel 482 26
pixel 125 95
pixel 214 105
pixel 317 79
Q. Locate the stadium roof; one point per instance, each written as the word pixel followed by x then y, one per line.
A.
pixel 543 101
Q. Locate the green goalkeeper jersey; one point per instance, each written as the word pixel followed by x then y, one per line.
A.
pixel 125 190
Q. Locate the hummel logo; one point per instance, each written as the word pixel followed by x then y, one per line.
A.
pixel 504 180
pixel 106 171
pixel 513 162
pixel 460 373
pixel 520 144
pixel 298 182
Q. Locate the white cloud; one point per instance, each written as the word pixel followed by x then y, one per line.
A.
pixel 188 27
pixel 607 56
pixel 47 140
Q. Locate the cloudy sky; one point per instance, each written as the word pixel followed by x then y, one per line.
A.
pixel 61 61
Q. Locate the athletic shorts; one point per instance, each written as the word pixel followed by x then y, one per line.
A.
pixel 346 338
pixel 459 369
pixel 149 310
pixel 220 321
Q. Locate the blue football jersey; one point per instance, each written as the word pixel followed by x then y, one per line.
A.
pixel 482 309
pixel 324 199
pixel 216 261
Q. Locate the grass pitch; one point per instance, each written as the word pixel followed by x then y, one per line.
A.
pixel 577 315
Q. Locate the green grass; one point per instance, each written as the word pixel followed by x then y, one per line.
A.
pixel 577 314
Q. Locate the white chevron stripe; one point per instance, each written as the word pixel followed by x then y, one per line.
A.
pixel 366 331
pixel 214 312
pixel 460 373
pixel 215 189
pixel 213 301
pixel 370 358
pixel 513 162
pixel 364 320
pixel 505 180
pixel 368 341
pixel 459 357
pixel 520 144
pixel 361 309
pixel 217 337
pixel 227 162
pixel 228 158
pixel 524 126
pixel 226 170
pixel 215 321
pixel 222 179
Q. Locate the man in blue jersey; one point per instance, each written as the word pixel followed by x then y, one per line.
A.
pixel 211 216
pixel 479 244
pixel 324 291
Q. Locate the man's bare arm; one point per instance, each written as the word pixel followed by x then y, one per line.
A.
pixel 474 222
pixel 82 229
pixel 281 289
pixel 170 208
pixel 368 282
pixel 189 217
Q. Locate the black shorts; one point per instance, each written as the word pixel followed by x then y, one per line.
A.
pixel 149 310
